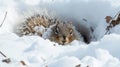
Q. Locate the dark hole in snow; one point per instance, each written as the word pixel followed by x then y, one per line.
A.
pixel 85 30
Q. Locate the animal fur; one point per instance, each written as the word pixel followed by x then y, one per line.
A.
pixel 64 33
pixel 33 24
pixel 61 32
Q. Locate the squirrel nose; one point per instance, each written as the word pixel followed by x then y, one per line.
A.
pixel 63 41
pixel 64 37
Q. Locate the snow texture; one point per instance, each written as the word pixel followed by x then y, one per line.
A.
pixel 38 52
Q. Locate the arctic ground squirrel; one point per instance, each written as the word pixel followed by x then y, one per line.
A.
pixel 61 32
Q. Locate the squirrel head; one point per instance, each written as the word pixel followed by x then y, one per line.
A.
pixel 63 33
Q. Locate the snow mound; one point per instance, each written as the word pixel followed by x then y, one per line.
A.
pixel 37 52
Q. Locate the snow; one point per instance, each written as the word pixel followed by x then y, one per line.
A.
pixel 38 52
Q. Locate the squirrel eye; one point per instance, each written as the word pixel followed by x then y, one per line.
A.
pixel 56 30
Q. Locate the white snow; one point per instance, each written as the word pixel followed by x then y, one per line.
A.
pixel 38 52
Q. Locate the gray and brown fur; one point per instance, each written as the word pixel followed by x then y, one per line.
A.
pixel 63 33
pixel 27 27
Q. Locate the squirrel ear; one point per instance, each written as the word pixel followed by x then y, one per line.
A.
pixel 71 31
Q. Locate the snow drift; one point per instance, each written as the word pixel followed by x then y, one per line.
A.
pixel 37 52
